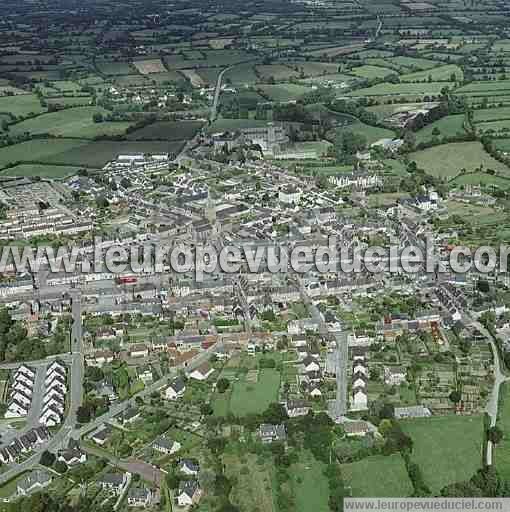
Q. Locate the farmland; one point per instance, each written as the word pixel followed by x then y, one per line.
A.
pixel 443 455
pixel 448 160
pixel 76 122
pixel 377 476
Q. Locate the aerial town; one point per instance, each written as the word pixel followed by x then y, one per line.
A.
pixel 280 126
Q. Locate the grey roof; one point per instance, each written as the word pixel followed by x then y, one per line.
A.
pixel 188 487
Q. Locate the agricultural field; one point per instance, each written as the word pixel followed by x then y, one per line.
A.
pixel 21 105
pixel 167 130
pixel 74 122
pixel 42 171
pixel 444 456
pixel 149 66
pixel 372 133
pixel 447 160
pixel 501 452
pixel 75 152
pixel 370 72
pixel 283 92
pixel 403 89
pixel 441 73
pixel 448 126
pixel 378 476
pixel 276 72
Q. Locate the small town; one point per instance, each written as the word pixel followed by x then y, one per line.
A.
pixel 297 126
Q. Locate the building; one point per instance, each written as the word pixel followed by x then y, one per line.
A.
pixel 175 390
pixel 34 481
pixel 202 372
pixel 139 497
pixel 413 411
pixel 114 483
pixel 272 433
pixel 165 445
pixel 296 408
pixel 189 467
pixel 394 375
pixel 189 493
pixel 356 428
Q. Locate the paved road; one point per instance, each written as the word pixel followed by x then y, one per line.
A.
pixel 499 378
pixel 217 91
pixel 340 405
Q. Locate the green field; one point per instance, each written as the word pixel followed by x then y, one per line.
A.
pixel 370 72
pixel 283 92
pixel 436 74
pixel 502 451
pixel 167 130
pixel 447 448
pixel 448 159
pixel 309 485
pixel 73 122
pixel 44 171
pixel 79 152
pixel 249 397
pixel 419 89
pixel 378 476
pixel 372 133
pixel 278 72
pixel 21 105
pixel 449 126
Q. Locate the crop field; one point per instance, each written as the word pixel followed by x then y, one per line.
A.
pixel 43 171
pixel 501 452
pixel 317 68
pixel 491 114
pixel 485 87
pixel 370 72
pixel 224 124
pixel 447 160
pixel 404 89
pixel 278 72
pixel 115 68
pixel 76 153
pixel 283 92
pixel 74 122
pixel 146 67
pixel 241 74
pixel 167 130
pixel 440 73
pixel 482 179
pixel 378 476
pixel 372 133
pixel 39 150
pixel 412 63
pixel 167 76
pixel 21 105
pixel 443 455
pixel 448 126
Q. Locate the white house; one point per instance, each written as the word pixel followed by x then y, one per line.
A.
pixel 175 390
pixel 202 372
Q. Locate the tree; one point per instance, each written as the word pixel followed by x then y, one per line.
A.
pixel 455 396
pixel 495 435
pixel 206 409
pixel 83 414
pixel 222 385
pixel 102 202
pixel 47 458
pixel 98 117
pixel 60 467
